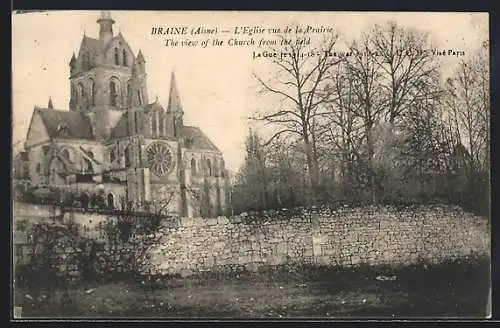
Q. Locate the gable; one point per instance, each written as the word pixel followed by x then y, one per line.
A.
pixel 89 53
pixel 90 45
pixel 119 43
pixel 37 132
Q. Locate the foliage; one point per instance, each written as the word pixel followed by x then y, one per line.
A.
pixel 59 252
pixel 50 239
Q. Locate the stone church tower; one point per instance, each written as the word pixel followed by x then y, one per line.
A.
pixel 114 144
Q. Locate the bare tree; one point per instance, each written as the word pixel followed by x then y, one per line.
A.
pixel 300 83
pixel 137 231
pixel 468 103
pixel 373 117
pixel 254 173
pixel 366 75
pixel 410 72
pixel 286 163
pixel 342 130
pixel 50 239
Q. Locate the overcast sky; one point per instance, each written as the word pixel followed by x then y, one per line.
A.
pixel 215 84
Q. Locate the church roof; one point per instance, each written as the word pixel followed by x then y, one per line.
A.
pixel 76 124
pixel 195 138
pixel 91 44
pixel 121 128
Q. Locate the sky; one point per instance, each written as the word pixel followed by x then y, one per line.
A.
pixel 216 86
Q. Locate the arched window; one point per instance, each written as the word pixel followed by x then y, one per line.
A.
pixel 85 61
pixel 209 168
pixel 193 167
pixel 111 200
pixel 92 92
pixel 117 57
pixel 74 93
pixel 139 98
pixel 222 168
pixel 216 168
pixel 125 58
pixel 81 93
pixel 112 156
pixel 161 124
pixel 38 167
pixel 153 124
pixel 175 127
pixel 128 159
pixel 88 63
pixel 113 94
pixel 136 122
pixel 128 90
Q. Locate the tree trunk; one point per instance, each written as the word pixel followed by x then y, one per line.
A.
pixel 264 196
pixel 292 196
pixel 371 172
pixel 343 174
pixel 313 173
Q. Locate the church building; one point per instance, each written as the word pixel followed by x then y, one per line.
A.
pixel 114 142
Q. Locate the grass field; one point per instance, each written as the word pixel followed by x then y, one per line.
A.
pixel 456 289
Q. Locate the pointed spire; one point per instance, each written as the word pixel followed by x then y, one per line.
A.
pixel 50 105
pixel 140 57
pixel 134 96
pixel 174 101
pixel 140 62
pixel 73 60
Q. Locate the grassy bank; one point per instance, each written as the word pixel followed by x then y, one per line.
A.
pixel 457 289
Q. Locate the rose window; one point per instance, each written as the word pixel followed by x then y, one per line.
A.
pixel 159 158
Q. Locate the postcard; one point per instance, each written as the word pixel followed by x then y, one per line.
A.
pixel 250 165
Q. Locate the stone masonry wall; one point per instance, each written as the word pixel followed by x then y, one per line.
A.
pixel 349 236
pixel 345 237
